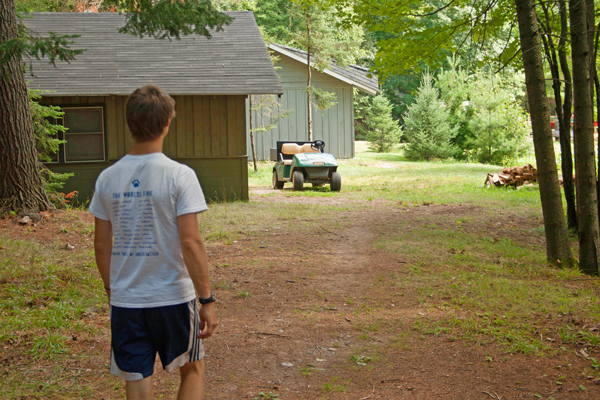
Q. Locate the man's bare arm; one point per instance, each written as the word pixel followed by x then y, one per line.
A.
pixel 103 249
pixel 194 255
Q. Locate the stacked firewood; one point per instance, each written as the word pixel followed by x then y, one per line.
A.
pixel 513 176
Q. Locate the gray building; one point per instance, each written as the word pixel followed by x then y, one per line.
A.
pixel 335 126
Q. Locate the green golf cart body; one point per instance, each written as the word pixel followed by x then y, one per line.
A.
pixel 304 162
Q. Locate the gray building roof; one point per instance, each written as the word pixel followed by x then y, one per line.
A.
pixel 354 75
pixel 233 61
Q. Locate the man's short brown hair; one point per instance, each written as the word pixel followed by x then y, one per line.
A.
pixel 149 110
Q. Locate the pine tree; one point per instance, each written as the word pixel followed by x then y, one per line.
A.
pixel 428 129
pixel 383 131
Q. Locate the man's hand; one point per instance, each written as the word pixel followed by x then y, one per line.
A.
pixel 208 320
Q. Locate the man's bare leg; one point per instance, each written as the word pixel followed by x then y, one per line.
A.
pixel 192 381
pixel 139 390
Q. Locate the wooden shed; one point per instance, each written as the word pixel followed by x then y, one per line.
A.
pixel 210 80
pixel 335 126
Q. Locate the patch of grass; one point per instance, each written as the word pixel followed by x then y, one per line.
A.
pixel 360 360
pixel 372 177
pixel 499 290
pixel 48 345
pixel 228 222
pixel 336 385
pixel 243 295
pixel 46 301
pixel 221 285
pixel 307 370
pixel 269 395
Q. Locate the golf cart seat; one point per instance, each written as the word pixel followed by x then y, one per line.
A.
pixel 289 149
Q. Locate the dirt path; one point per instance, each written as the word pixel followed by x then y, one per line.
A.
pixel 318 325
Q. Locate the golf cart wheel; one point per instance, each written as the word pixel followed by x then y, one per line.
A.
pixel 298 180
pixel 336 182
pixel 276 183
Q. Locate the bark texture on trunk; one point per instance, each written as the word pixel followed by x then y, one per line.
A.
pixel 557 241
pixel 566 153
pixel 21 186
pixel 310 131
pixel 597 87
pixel 252 134
pixel 585 165
pixel 310 121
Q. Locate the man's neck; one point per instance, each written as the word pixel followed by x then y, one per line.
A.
pixel 141 148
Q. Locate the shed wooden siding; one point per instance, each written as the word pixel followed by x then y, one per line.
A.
pixel 335 126
pixel 208 133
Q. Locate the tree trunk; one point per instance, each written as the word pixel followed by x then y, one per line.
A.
pixel 597 86
pixel 565 127
pixel 585 163
pixel 252 134
pixel 591 23
pixel 557 241
pixel 21 186
pixel 310 132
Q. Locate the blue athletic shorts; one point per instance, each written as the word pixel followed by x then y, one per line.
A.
pixel 139 333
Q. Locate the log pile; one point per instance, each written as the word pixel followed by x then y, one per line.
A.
pixel 513 176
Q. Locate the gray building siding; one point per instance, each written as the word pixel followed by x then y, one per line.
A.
pixel 335 126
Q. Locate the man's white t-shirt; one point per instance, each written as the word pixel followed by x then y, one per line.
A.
pixel 142 196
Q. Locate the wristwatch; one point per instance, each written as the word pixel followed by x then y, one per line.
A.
pixel 211 299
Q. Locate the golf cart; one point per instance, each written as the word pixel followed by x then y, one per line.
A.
pixel 304 162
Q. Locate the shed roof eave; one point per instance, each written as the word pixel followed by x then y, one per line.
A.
pixel 58 94
pixel 326 71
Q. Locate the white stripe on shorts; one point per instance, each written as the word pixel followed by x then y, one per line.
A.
pixel 195 350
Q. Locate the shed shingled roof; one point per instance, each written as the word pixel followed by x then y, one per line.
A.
pixel 355 75
pixel 233 61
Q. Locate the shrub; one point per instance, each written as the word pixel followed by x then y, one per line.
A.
pixel 499 125
pixel 428 129
pixel 47 144
pixel 383 131
pixel 492 125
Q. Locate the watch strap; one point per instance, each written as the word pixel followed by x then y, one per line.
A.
pixel 208 300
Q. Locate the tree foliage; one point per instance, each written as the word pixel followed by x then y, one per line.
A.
pixel 413 31
pixel 383 131
pixel 278 19
pixel 170 18
pixel 47 144
pixel 492 126
pixel 428 130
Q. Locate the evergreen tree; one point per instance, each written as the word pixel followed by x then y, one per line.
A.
pixel 47 145
pixel 428 130
pixel 383 131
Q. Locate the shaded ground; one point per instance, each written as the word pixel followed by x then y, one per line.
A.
pixel 314 315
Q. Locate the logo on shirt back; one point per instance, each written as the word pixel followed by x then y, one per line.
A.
pixel 135 183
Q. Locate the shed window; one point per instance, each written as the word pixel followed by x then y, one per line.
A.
pixel 85 134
